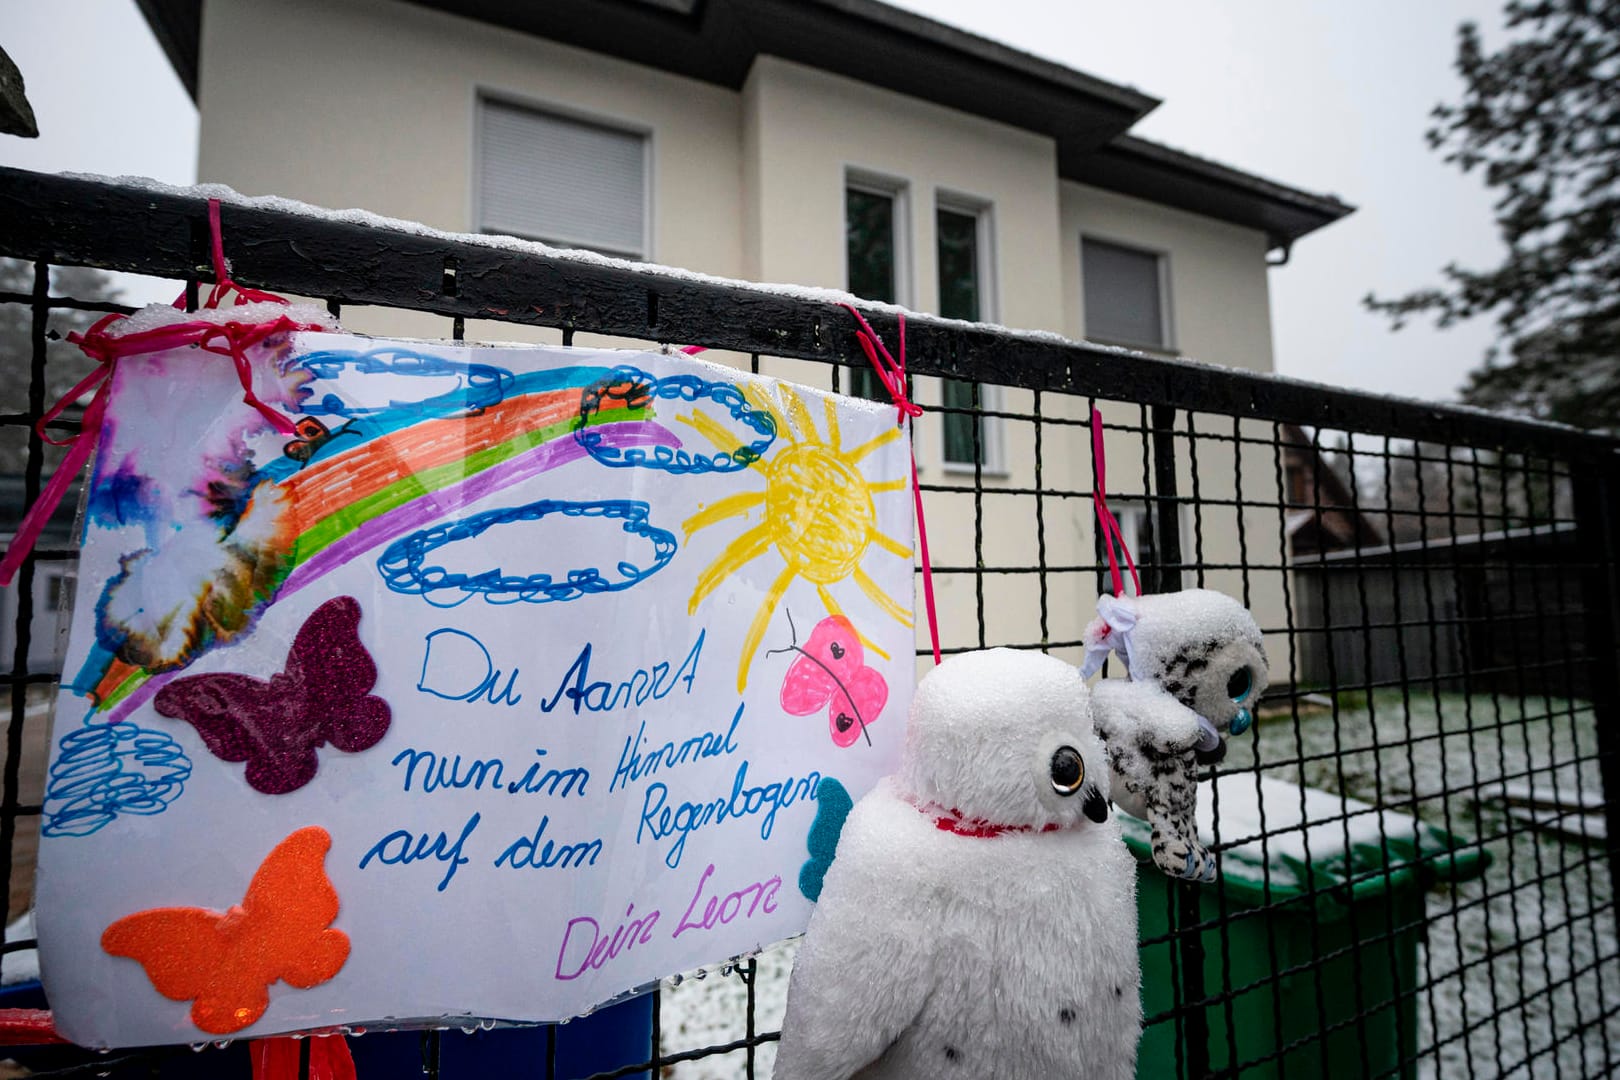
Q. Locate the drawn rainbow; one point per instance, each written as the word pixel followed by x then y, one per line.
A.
pixel 395 470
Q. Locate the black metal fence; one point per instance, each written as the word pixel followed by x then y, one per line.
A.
pixel 1416 838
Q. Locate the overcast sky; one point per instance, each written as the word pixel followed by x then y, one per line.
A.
pixel 1323 95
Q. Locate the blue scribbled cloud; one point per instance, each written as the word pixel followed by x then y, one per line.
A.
pixel 104 771
pixel 405 567
pixel 635 387
pixel 474 386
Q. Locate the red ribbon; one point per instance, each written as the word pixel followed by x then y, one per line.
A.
pixel 1107 524
pixel 27 1027
pixel 277 1058
pixel 952 821
pixel 892 373
pixel 273 1059
pixel 231 339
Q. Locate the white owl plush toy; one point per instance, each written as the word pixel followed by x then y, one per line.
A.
pixel 979 918
pixel 1197 669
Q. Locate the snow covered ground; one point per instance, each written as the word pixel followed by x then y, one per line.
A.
pixel 712 1011
pixel 1512 978
pixel 1509 979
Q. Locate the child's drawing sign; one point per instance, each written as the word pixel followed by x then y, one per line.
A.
pixel 514 671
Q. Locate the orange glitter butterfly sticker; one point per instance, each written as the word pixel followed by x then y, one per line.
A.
pixel 225 962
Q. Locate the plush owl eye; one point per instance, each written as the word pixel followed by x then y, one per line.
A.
pixel 1239 685
pixel 1068 770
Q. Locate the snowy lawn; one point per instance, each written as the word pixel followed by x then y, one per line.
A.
pixel 1484 1004
pixel 712 1011
pixel 1485 1008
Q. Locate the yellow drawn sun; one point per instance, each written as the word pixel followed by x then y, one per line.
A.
pixel 818 513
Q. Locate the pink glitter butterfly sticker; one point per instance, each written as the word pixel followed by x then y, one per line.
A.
pixel 322 696
pixel 831 672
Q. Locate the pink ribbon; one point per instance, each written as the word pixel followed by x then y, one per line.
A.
pixel 1107 524
pixel 106 349
pixel 892 373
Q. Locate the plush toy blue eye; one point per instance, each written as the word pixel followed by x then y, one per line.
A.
pixel 1239 685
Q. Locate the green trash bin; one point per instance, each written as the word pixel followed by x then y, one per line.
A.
pixel 1340 904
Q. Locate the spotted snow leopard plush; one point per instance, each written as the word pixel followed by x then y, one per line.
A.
pixel 1196 669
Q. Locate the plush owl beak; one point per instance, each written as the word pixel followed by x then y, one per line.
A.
pixel 1210 747
pixel 1095 807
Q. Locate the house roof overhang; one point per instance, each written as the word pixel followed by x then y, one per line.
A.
pixel 718 41
pixel 177 25
pixel 1148 170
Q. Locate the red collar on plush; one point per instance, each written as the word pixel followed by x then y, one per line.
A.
pixel 952 821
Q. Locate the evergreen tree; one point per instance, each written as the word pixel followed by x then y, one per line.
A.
pixel 1540 117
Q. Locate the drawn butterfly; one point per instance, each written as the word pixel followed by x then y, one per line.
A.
pixel 632 391
pixel 224 962
pixel 831 671
pixel 323 696
pixel 635 393
pixel 312 435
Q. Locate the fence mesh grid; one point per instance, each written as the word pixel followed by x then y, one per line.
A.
pixel 1426 781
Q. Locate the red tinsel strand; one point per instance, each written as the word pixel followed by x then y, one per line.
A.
pixel 892 373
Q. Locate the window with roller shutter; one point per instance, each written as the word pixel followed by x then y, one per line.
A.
pixel 561 180
pixel 1126 295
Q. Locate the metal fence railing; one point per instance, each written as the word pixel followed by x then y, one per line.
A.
pixel 1425 806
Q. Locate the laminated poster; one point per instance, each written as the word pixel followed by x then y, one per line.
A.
pixel 502 688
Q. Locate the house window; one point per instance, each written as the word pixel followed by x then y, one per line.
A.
pixel 59 592
pixel 561 180
pixel 1139 527
pixel 1124 295
pixel 1136 530
pixel 874 220
pixel 961 274
pixel 962 236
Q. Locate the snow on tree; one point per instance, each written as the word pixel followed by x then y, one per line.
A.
pixel 1540 118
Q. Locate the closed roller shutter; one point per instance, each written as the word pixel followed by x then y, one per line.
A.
pixel 560 180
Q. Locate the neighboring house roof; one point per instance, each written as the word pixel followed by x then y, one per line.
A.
pixel 717 41
pixel 1325 515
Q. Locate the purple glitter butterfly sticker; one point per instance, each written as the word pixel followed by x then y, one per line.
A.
pixel 323 696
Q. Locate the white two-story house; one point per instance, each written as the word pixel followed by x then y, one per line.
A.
pixel 838 143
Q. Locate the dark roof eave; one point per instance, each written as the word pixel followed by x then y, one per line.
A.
pixel 717 41
pixel 923 29
pixel 1146 170
pixel 177 26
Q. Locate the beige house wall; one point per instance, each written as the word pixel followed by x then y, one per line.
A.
pixel 379 100
pixel 809 129
pixel 806 132
pixel 1220 312
pixel 1220 303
